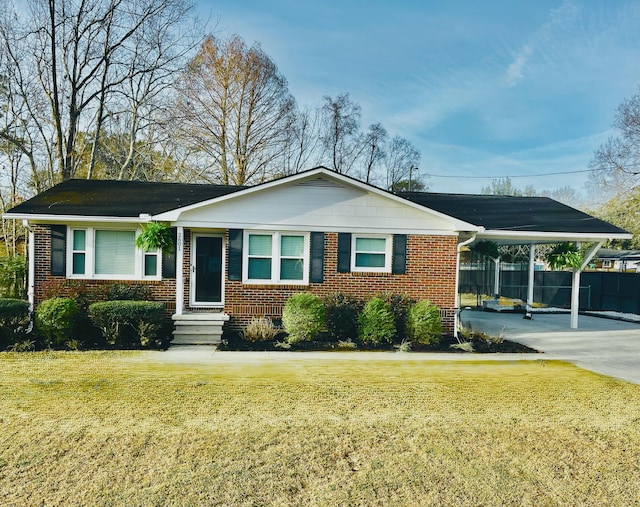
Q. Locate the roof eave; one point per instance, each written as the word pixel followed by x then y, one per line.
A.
pixel 548 237
pixel 48 218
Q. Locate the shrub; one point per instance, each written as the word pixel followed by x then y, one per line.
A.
pixel 423 323
pixel 13 276
pixel 260 329
pixel 400 304
pixel 341 316
pixel 14 315
pixel 303 317
pixel 376 323
pixel 115 318
pixel 128 292
pixel 55 320
pixel 25 345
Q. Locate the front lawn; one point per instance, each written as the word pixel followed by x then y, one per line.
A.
pixel 119 429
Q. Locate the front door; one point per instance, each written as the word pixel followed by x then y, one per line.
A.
pixel 207 270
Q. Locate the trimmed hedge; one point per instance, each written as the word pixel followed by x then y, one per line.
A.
pixel 377 324
pixel 423 323
pixel 128 323
pixel 55 320
pixel 341 314
pixel 303 317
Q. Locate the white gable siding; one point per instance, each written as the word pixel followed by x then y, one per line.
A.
pixel 316 205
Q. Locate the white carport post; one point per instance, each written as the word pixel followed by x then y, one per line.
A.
pixel 179 270
pixel 496 278
pixel 575 284
pixel 532 265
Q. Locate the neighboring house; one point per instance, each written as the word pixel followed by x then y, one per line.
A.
pixel 609 259
pixel 240 252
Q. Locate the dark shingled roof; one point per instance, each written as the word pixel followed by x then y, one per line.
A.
pixel 108 198
pixel 119 198
pixel 518 214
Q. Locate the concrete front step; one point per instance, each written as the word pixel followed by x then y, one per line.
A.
pixel 198 328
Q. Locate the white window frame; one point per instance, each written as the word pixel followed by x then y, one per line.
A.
pixel 276 258
pixel 388 251
pixel 74 251
pixel 89 259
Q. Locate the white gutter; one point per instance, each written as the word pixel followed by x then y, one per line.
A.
pixel 143 218
pixel 457 300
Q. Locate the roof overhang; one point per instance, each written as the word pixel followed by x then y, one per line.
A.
pixel 535 237
pixel 56 219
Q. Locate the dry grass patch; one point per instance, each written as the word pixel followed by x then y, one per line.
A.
pixel 112 429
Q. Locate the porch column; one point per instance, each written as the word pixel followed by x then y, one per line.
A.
pixel 575 284
pixel 179 270
pixel 496 279
pixel 457 298
pixel 532 265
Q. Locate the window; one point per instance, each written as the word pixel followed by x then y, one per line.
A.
pixel 371 253
pixel 109 254
pixel 115 252
pixel 276 257
pixel 79 252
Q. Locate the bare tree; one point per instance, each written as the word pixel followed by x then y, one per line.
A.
pixel 340 132
pixel 374 152
pixel 300 148
pixel 234 108
pixel 617 162
pixel 75 59
pixel 402 158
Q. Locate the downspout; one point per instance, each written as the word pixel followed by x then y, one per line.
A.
pixel 457 300
pixel 31 273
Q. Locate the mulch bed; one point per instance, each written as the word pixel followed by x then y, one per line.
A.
pixel 233 342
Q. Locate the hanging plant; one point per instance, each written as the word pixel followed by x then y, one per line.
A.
pixel 565 255
pixel 155 236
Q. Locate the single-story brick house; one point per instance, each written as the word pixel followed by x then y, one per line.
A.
pixel 240 252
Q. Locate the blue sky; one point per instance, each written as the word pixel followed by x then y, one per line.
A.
pixel 494 88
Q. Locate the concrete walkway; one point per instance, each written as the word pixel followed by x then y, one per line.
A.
pixel 606 346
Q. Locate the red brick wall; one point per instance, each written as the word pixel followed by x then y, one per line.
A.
pixel 430 274
pixel 47 285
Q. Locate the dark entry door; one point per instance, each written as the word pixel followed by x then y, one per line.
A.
pixel 207 287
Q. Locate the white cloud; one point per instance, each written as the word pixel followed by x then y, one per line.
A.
pixel 515 72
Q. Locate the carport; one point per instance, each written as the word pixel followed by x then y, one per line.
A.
pixel 523 221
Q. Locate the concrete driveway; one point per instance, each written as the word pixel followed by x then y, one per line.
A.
pixel 606 346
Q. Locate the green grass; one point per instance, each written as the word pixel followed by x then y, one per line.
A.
pixel 112 429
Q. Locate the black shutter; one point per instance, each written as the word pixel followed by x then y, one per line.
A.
pixel 399 261
pixel 58 259
pixel 317 257
pixel 235 254
pixel 169 258
pixel 344 252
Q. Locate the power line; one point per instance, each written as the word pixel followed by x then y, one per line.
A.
pixel 541 175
